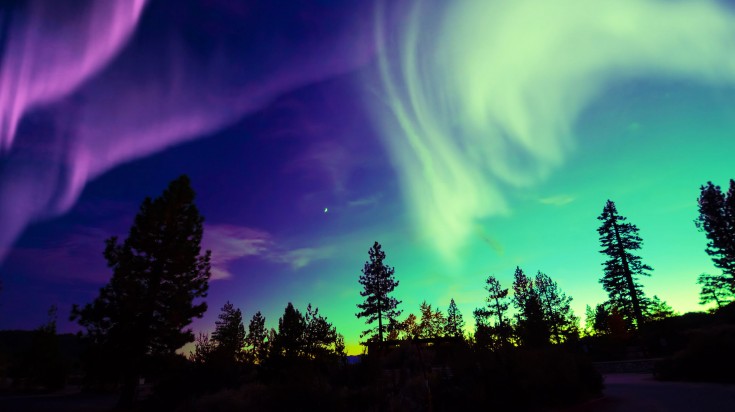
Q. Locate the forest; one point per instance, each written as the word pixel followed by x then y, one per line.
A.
pixel 522 348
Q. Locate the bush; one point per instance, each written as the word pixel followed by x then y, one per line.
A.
pixel 410 378
pixel 708 357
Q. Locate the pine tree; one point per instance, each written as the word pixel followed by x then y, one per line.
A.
pixel 659 310
pixel 556 306
pixel 622 268
pixel 589 321
pixel 532 328
pixel 203 349
pixel 491 319
pixel 378 283
pixel 410 327
pixel 320 337
pixel 255 341
pixel 715 288
pixel 432 322
pixel 158 273
pixel 717 220
pixel 229 334
pixel 484 333
pixel 607 320
pixel 289 340
pixel 455 323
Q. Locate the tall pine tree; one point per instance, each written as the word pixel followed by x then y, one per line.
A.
pixel 229 333
pixel 255 341
pixel 717 221
pixel 455 323
pixel 158 273
pixel 432 322
pixel 619 239
pixel 532 327
pixel 289 340
pixel 378 283
pixel 491 323
pixel 556 306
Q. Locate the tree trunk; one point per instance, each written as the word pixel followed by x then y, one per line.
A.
pixel 628 277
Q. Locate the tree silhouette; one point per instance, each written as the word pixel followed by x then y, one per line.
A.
pixel 378 282
pixel 491 319
pixel 203 349
pixel 320 337
pixel 289 340
pixel 556 306
pixel 717 220
pixel 158 272
pixel 532 328
pixel 410 327
pixel 255 341
pixel 229 333
pixel 432 322
pixel 455 324
pixel 496 307
pixel 715 288
pixel 619 239
pixel 307 335
pixel 589 321
pixel 658 310
pixel 607 320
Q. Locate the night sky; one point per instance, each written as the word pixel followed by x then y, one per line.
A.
pixel 467 139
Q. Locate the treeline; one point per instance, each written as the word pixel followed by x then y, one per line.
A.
pixel 308 335
pixel 526 338
pixel 537 312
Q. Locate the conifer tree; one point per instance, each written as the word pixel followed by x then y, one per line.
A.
pixel 158 273
pixel 410 327
pixel 619 239
pixel 659 310
pixel 289 340
pixel 432 322
pixel 320 337
pixel 491 320
pixel 589 321
pixel 229 334
pixel 484 332
pixel 715 288
pixel 556 307
pixel 717 220
pixel 607 320
pixel 255 341
pixel 455 323
pixel 378 283
pixel 203 349
pixel 532 328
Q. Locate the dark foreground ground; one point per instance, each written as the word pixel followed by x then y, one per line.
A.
pixel 71 401
pixel 623 392
pixel 640 393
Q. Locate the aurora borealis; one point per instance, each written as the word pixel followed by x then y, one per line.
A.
pixel 467 139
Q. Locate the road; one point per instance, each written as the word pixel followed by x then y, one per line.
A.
pixel 623 393
pixel 60 402
pixel 640 393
